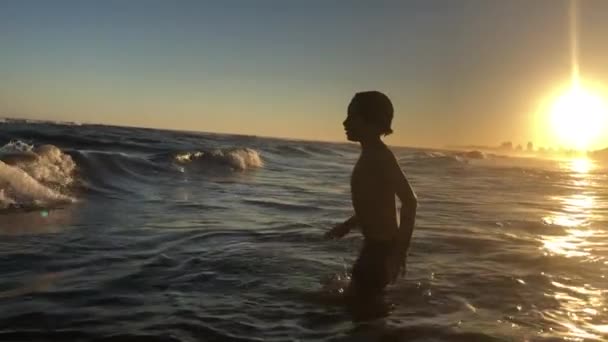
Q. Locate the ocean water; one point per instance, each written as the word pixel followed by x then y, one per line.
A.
pixel 113 233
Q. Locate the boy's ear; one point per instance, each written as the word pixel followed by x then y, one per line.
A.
pixel 377 129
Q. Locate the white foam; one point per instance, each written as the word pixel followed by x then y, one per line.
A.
pixel 36 175
pixel 52 166
pixel 5 201
pixel 17 188
pixel 16 146
pixel 187 156
pixel 238 158
pixel 243 158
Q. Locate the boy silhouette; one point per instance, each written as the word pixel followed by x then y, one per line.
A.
pixel 375 181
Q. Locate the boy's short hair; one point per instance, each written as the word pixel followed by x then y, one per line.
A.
pixel 376 108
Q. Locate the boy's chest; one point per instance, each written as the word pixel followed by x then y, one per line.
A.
pixel 365 179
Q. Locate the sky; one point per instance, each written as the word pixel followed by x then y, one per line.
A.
pixel 459 72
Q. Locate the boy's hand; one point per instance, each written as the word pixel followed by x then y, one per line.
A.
pixel 337 231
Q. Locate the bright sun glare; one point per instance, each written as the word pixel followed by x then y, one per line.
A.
pixel 578 117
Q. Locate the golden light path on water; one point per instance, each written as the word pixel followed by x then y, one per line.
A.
pixel 582 309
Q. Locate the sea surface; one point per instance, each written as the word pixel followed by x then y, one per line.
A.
pixel 114 233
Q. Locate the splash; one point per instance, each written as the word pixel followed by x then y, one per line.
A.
pixel 336 283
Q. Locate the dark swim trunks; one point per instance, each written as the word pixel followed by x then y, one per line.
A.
pixel 370 274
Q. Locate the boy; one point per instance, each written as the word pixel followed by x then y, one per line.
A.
pixel 375 181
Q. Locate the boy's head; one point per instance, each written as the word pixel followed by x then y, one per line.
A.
pixel 370 114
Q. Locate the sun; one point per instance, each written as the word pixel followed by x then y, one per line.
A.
pixel 578 117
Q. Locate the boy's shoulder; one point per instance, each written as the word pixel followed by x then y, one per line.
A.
pixel 382 156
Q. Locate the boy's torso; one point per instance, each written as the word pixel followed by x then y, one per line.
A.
pixel 373 197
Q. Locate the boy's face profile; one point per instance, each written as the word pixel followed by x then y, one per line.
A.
pixel 355 125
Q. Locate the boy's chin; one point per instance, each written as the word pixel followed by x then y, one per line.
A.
pixel 350 137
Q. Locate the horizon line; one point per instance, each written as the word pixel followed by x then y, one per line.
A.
pixel 80 123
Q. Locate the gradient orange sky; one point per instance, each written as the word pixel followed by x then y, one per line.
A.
pixel 458 72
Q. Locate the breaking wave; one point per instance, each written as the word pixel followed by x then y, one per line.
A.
pixel 238 159
pixel 43 176
pixel 34 176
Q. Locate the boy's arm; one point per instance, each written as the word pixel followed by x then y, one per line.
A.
pixel 342 229
pixel 409 203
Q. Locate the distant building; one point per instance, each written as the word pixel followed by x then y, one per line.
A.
pixel 507 145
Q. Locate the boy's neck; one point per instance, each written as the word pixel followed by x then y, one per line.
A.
pixel 371 143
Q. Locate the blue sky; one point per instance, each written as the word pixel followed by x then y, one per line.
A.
pixel 459 72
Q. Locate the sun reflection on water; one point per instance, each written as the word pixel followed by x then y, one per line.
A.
pixel 581 165
pixel 576 211
pixel 582 311
pixel 575 215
